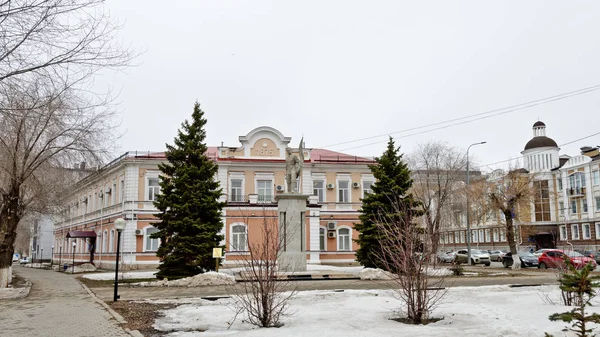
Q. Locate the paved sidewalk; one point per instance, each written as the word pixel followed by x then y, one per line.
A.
pixel 57 306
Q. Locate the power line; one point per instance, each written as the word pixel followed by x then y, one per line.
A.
pixel 495 112
pixel 520 157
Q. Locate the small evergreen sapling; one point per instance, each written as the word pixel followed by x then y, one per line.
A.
pixel 579 287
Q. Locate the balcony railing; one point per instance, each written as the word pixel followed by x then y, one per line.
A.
pixel 576 191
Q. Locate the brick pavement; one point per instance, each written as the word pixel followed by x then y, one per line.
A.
pixel 57 306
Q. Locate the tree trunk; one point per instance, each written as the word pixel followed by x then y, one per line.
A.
pixel 9 219
pixel 510 237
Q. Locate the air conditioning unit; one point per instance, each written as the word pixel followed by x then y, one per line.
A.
pixel 356 185
pixel 279 188
pixel 330 186
pixel 331 226
pixel 139 232
pixel 331 235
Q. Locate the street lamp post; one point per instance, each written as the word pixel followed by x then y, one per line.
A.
pixel 468 209
pixel 119 226
pixel 51 257
pixel 74 244
pixel 60 256
pixel 42 257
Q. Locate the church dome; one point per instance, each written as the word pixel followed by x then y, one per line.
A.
pixel 540 141
pixel 538 123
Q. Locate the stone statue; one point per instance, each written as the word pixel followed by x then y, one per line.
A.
pixel 293 166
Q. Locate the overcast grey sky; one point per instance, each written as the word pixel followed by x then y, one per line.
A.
pixel 336 71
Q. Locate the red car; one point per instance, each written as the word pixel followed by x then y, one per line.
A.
pixel 555 259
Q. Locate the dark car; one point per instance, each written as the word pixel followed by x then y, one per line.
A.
pixel 527 259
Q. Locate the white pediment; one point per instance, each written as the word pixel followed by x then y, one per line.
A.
pixel 576 161
pixel 265 142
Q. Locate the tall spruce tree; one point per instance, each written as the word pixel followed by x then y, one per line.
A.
pixel 390 200
pixel 190 212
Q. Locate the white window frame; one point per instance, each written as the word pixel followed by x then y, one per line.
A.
pixel 111 241
pixel 596 177
pixel 474 236
pixel 584 205
pixel 122 189
pixel 481 236
pixel 147 237
pixel 104 241
pixel 323 236
pixel 561 208
pixel 589 230
pixel 488 236
pixel 597 200
pixel 263 176
pixel 338 236
pixel 503 235
pixel 155 189
pixel 597 225
pixel 456 237
pixel 575 235
pixel 232 235
pixel 562 232
pixel 113 193
pixel 495 235
pixel 450 237
pixel 339 189
pixel 462 237
pixel 321 197
pixel 232 177
pixel 573 203
pixel 363 183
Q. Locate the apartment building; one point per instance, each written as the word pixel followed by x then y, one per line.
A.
pixel 251 174
pixel 564 211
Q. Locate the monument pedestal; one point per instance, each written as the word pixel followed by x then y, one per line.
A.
pixel 292 231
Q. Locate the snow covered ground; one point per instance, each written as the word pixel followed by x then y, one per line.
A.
pixel 122 276
pixel 491 311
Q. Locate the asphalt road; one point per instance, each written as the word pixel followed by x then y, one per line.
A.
pixel 504 276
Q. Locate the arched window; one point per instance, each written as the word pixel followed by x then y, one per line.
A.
pixel 111 242
pixel 104 241
pixel 150 244
pixel 322 239
pixel 239 237
pixel 344 239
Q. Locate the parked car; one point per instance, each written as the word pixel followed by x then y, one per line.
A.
pixel 527 259
pixel 555 259
pixel 496 255
pixel 25 260
pixel 446 257
pixel 477 257
pixel 539 252
pixel 15 258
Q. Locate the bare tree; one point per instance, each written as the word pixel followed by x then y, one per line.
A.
pixel 262 296
pixel 403 250
pixel 49 117
pixel 437 171
pixel 41 141
pixel 511 193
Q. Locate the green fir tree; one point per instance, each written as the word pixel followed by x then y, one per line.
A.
pixel 578 287
pixel 190 211
pixel 390 200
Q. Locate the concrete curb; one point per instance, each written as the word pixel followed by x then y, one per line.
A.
pixel 115 314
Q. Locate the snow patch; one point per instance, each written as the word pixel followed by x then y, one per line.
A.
pixel 487 311
pixel 375 274
pixel 122 275
pixel 210 278
pixel 430 271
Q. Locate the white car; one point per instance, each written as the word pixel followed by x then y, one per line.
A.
pixel 477 257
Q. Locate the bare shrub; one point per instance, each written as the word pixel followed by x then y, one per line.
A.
pixel 402 250
pixel 263 294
